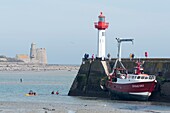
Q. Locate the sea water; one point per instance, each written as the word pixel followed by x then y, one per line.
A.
pixel 12 89
pixel 43 83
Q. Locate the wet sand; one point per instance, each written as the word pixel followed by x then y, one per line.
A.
pixel 29 107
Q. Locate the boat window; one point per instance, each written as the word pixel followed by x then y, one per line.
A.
pixel 150 77
pixel 142 77
pixel 138 77
pixel 146 77
pixel 133 77
pixel 153 77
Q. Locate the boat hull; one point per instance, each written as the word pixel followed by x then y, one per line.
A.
pixel 127 96
pixel 132 91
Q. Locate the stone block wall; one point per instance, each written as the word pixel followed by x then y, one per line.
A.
pixel 87 81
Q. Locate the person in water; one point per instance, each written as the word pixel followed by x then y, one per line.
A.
pixel 52 92
pixel 32 93
pixel 21 80
pixel 57 93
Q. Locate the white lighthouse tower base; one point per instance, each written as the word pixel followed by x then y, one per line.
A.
pixel 101 44
pixel 101 25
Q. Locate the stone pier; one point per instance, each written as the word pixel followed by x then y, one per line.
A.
pixel 87 81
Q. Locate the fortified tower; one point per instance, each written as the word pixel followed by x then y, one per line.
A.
pixel 101 25
pixel 41 55
pixel 33 52
pixel 38 55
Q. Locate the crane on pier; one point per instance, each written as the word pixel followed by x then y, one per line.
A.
pixel 119 40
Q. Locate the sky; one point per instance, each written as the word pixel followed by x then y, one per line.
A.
pixel 66 27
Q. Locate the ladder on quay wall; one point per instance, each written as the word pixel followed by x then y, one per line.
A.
pixel 105 67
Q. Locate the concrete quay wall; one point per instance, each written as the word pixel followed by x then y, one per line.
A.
pixel 20 66
pixel 87 81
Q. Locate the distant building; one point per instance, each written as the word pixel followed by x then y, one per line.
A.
pixel 3 58
pixel 33 52
pixel 38 55
pixel 41 55
pixel 23 57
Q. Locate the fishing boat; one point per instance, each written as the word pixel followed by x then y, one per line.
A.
pixel 135 86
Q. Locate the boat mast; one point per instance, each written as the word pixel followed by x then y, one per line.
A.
pixel 119 50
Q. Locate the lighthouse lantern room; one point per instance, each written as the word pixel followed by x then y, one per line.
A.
pixel 101 25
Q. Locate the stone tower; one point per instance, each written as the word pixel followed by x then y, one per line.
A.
pixel 38 55
pixel 33 53
pixel 41 55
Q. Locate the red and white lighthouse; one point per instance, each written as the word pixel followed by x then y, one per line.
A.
pixel 101 25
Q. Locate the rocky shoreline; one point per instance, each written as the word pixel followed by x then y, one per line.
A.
pixel 20 66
